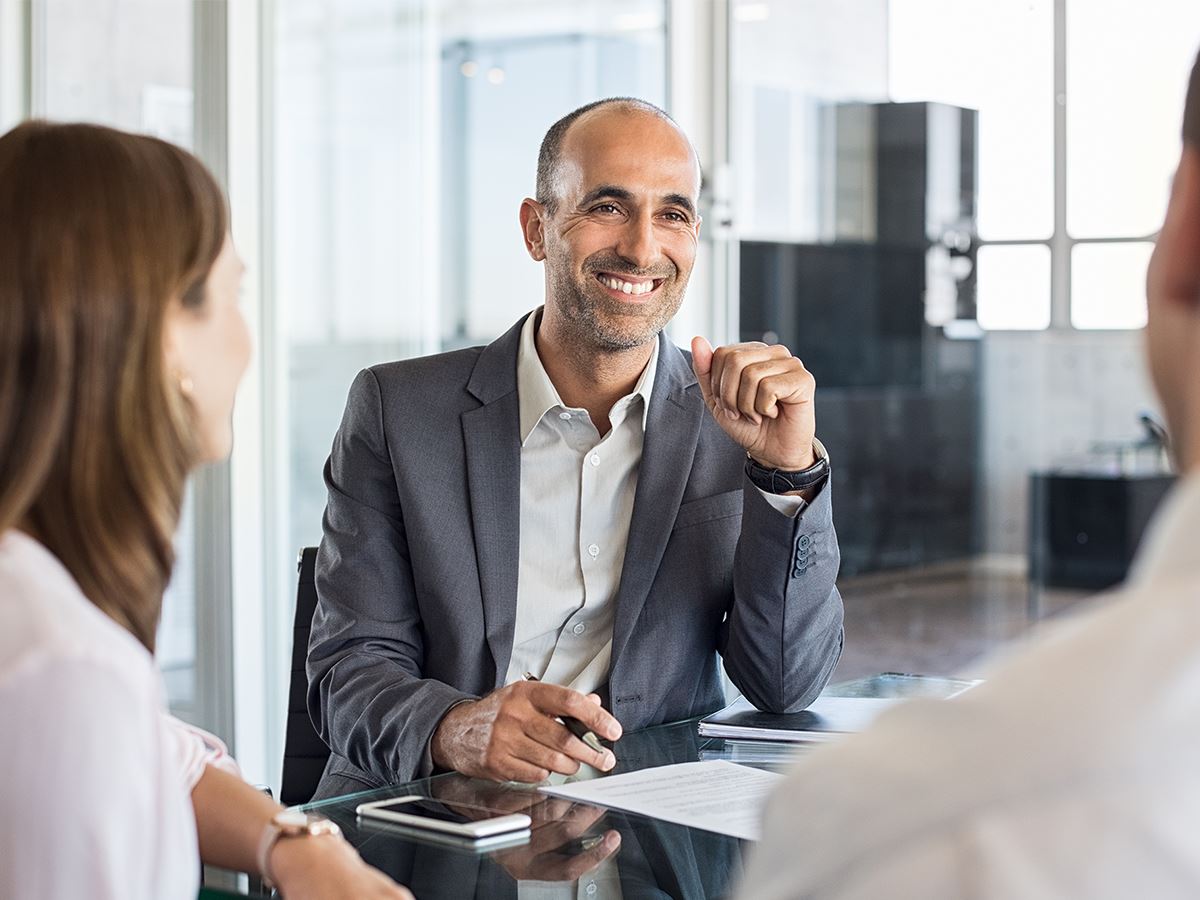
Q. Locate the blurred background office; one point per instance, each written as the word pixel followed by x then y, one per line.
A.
pixel 945 207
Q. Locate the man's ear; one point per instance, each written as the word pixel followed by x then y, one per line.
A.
pixel 533 218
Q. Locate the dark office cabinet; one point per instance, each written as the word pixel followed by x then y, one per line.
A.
pixel 898 402
pixel 1085 529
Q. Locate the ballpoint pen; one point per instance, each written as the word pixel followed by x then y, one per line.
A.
pixel 574 726
pixel 580 845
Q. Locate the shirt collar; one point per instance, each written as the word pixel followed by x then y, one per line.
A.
pixel 537 394
pixel 29 551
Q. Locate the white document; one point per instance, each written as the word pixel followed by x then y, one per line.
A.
pixel 715 796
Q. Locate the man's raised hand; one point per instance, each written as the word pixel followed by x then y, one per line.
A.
pixel 762 397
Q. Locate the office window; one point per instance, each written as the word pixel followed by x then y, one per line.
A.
pixel 507 72
pixel 1014 287
pixel 1108 285
pixel 353 277
pixel 798 70
pixel 406 134
pixel 1127 69
pixel 1123 68
pixel 997 58
pixel 126 63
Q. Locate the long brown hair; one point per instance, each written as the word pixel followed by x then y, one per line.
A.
pixel 100 231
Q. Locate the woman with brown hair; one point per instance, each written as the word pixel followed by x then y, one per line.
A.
pixel 121 348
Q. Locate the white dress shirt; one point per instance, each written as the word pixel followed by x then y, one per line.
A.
pixel 577 493
pixel 95 776
pixel 1072 772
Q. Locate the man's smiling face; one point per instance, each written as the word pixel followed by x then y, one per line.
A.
pixel 621 240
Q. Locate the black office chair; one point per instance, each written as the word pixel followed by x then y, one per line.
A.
pixel 304 753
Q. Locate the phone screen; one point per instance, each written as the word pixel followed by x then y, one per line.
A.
pixel 427 809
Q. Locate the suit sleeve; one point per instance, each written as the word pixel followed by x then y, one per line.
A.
pixel 366 693
pixel 783 634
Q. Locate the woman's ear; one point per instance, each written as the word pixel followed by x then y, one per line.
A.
pixel 172 340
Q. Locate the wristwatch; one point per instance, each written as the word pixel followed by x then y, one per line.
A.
pixel 289 823
pixel 778 481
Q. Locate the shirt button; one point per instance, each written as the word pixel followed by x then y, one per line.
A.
pixel 595 459
pixel 579 628
pixel 591 888
pixel 565 416
pixel 593 550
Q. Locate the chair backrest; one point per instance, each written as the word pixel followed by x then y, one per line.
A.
pixel 304 753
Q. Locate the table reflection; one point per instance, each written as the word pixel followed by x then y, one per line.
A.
pixel 574 849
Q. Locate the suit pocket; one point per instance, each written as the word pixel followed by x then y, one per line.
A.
pixel 709 509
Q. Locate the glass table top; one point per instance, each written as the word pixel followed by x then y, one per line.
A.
pixel 575 849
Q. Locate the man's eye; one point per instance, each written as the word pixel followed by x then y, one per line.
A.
pixel 605 207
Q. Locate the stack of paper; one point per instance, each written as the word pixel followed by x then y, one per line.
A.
pixel 827 719
pixel 714 796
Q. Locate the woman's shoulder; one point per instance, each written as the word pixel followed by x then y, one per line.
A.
pixel 73 683
pixel 46 621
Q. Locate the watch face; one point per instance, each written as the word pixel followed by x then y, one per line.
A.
pixel 324 826
pixel 293 822
pixel 291 818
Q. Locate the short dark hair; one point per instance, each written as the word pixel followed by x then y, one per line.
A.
pixel 551 151
pixel 1191 110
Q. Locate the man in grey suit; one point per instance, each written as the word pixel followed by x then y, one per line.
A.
pixel 578 499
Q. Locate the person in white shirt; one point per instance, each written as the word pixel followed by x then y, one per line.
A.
pixel 121 348
pixel 1071 772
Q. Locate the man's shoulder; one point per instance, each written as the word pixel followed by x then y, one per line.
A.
pixel 486 372
pixel 1060 716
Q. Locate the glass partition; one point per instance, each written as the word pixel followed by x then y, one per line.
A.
pixel 405 135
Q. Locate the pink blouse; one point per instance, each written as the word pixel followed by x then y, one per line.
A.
pixel 95 775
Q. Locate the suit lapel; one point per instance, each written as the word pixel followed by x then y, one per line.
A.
pixel 492 440
pixel 669 446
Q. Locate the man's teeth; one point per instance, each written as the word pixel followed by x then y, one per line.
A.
pixel 627 287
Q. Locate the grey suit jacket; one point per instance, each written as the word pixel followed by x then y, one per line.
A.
pixel 417 571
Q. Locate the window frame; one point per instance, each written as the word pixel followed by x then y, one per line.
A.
pixel 1061 242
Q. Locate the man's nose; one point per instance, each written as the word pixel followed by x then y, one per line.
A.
pixel 637 242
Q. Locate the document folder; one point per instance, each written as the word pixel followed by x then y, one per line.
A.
pixel 827 719
pixel 830 716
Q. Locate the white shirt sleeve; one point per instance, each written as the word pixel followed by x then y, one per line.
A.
pixel 86 774
pixel 194 748
pixel 790 504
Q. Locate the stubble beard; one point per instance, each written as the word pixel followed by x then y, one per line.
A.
pixel 590 318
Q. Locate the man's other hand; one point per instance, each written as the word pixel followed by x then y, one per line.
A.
pixel 762 397
pixel 513 734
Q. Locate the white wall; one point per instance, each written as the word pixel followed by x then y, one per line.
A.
pixel 1047 397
